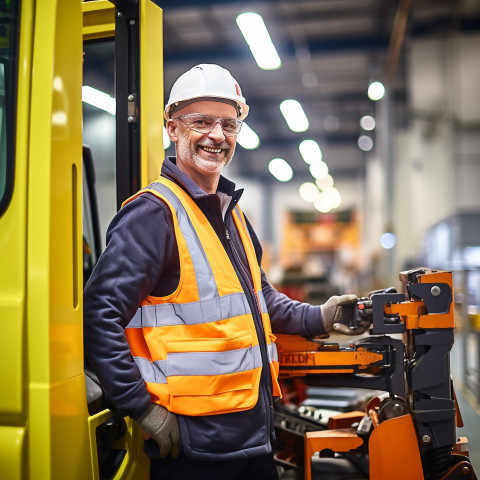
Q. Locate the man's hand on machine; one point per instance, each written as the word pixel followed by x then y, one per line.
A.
pixel 340 315
pixel 162 426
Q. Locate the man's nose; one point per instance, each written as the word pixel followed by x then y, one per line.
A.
pixel 217 132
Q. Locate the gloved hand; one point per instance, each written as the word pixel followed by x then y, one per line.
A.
pixel 338 314
pixel 162 426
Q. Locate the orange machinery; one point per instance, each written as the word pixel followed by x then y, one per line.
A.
pixel 409 432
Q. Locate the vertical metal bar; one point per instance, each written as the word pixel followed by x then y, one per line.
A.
pixel 127 98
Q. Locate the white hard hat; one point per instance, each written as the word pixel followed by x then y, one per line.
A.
pixel 206 81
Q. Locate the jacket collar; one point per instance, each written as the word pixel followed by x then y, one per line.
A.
pixel 172 172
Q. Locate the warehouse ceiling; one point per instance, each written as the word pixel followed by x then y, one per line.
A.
pixel 330 51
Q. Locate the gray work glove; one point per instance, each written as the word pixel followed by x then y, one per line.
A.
pixel 162 426
pixel 338 314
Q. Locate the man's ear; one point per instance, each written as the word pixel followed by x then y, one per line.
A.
pixel 172 130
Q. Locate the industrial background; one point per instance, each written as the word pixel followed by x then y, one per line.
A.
pixel 407 185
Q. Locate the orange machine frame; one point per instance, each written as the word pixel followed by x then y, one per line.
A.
pixel 396 445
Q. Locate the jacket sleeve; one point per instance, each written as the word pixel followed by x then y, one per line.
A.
pixel 139 240
pixel 286 315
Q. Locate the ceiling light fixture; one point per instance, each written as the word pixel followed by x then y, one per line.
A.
pixel 365 143
pixel 99 99
pixel 308 191
pixel 328 200
pixel 325 182
pixel 318 170
pixel 310 151
pixel 388 240
pixel 367 122
pixel 247 138
pixel 280 169
pixel 258 39
pixel 294 115
pixel 376 91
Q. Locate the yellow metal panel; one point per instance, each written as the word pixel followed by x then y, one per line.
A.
pixel 98 19
pixel 151 81
pixel 135 464
pixel 12 452
pixel 12 260
pixel 56 403
pixel 13 357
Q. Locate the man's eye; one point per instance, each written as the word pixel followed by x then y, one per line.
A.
pixel 202 122
pixel 230 125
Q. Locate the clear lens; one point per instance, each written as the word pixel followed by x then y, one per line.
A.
pixel 206 123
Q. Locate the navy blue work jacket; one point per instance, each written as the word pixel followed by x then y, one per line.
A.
pixel 141 259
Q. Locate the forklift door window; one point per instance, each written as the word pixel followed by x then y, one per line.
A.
pixel 8 94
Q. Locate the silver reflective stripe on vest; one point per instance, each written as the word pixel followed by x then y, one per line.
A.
pixel 211 310
pixel 206 285
pixel 263 304
pixel 272 352
pixel 214 363
pixel 152 372
pixel 200 363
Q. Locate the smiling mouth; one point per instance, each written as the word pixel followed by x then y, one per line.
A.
pixel 211 150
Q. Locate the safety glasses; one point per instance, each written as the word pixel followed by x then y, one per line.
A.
pixel 206 123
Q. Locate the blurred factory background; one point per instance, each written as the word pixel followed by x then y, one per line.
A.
pixel 370 181
pixel 405 168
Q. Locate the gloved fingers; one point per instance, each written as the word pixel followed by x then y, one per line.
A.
pixel 164 446
pixel 347 299
pixel 338 309
pixel 346 330
pixel 174 436
pixel 344 313
pixel 175 451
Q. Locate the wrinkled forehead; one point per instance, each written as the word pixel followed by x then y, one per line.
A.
pixel 214 107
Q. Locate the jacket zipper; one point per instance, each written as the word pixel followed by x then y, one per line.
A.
pixel 252 298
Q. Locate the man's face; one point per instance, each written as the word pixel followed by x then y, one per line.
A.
pixel 202 154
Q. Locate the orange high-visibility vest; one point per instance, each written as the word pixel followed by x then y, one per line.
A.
pixel 197 348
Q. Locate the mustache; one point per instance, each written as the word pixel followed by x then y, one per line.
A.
pixel 223 145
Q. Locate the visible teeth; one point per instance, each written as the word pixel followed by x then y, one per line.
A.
pixel 212 150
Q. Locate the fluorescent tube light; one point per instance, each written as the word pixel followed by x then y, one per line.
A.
pixel 310 151
pixel 294 115
pixel 247 138
pixel 258 39
pixel 98 99
pixel 280 169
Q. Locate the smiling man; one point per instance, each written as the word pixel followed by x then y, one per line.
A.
pixel 179 315
pixel 205 136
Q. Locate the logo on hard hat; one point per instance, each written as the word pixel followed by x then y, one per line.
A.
pixel 237 88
